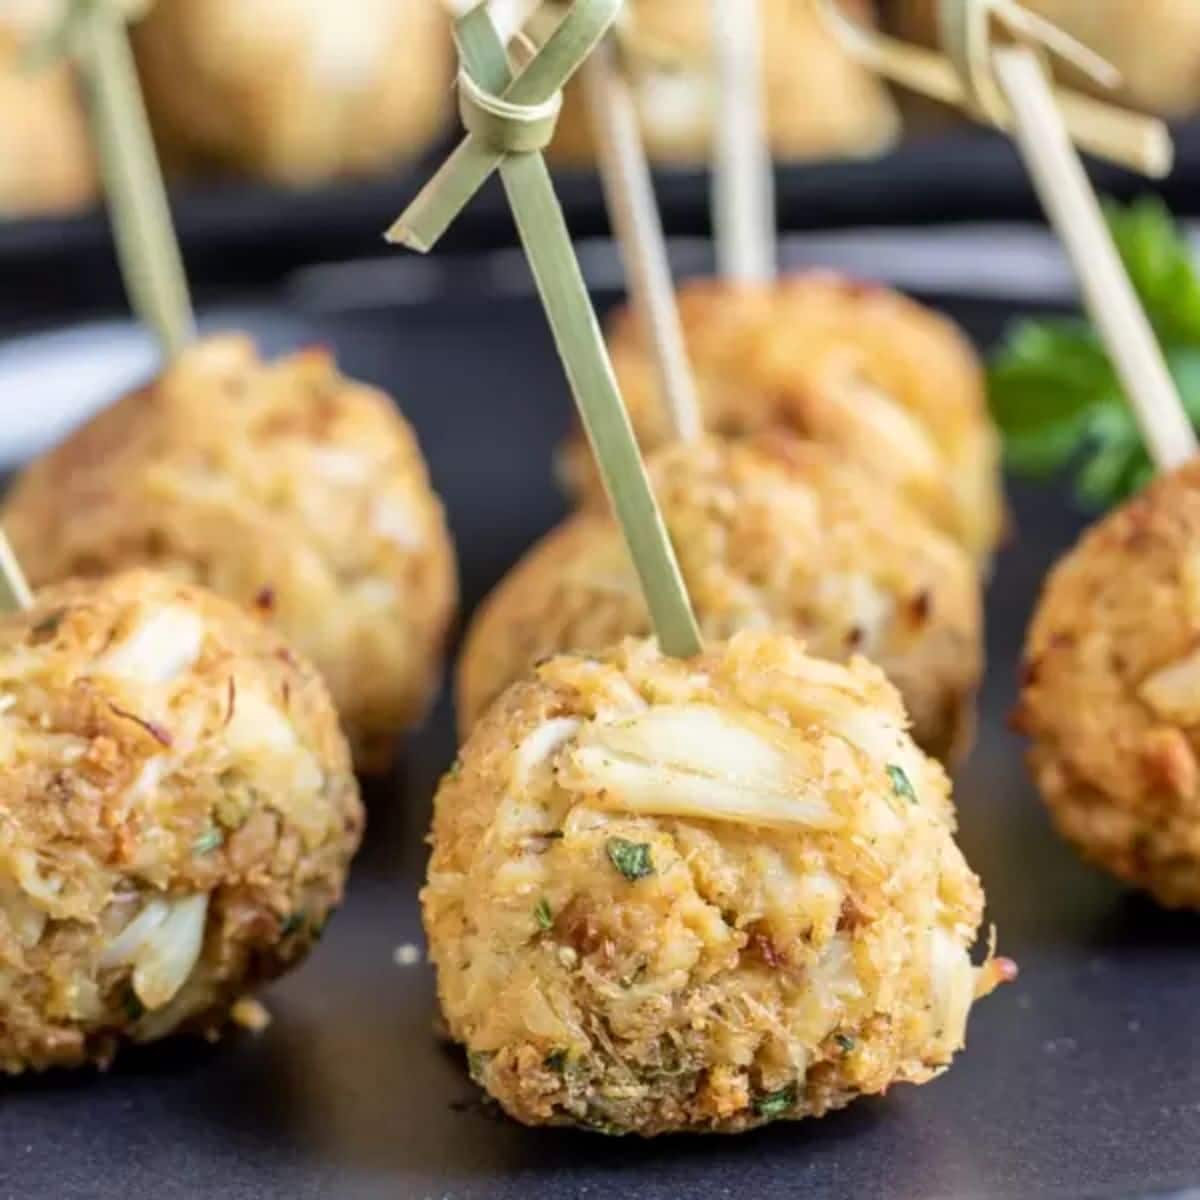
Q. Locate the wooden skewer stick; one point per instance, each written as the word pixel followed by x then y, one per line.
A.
pixel 510 119
pixel 15 593
pixel 147 249
pixel 743 180
pixel 1071 204
pixel 1130 139
pixel 629 191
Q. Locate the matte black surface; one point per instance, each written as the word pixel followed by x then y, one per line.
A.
pixel 236 234
pixel 1081 1079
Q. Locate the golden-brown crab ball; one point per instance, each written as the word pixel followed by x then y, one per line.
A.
pixel 1155 44
pixel 771 533
pixel 295 91
pixel 699 895
pixel 857 366
pixel 46 164
pixel 1111 691
pixel 820 103
pixel 177 815
pixel 282 485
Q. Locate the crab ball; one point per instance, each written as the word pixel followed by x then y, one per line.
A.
pixel 819 102
pixel 771 533
pixel 177 815
pixel 46 163
pixel 1111 691
pixel 699 895
pixel 282 485
pixel 854 365
pixel 293 91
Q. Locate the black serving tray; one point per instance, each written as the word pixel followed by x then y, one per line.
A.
pixel 238 234
pixel 1081 1079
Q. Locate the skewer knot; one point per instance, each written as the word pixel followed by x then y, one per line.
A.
pixel 507 126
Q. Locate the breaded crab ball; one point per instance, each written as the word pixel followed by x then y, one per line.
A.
pixel 699 895
pixel 295 91
pixel 819 101
pixel 854 365
pixel 177 815
pixel 771 533
pixel 46 162
pixel 282 485
pixel 1111 691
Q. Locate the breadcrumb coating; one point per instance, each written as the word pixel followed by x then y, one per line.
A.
pixel 771 533
pixel 819 102
pixel 856 366
pixel 177 816
pixel 700 895
pixel 1111 691
pixel 295 91
pixel 292 490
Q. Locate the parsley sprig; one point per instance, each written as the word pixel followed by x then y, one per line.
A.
pixel 1053 391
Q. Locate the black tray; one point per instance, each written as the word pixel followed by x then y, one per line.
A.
pixel 1079 1080
pixel 238 234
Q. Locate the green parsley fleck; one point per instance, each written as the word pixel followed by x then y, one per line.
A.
pixel 542 914
pixel 455 769
pixel 208 841
pixel 132 1003
pixel 775 1104
pixel 632 859
pixel 477 1061
pixel 846 1043
pixel 292 923
pixel 901 784
pixel 556 1060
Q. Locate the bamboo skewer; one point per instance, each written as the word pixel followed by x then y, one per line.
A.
pixel 1073 210
pixel 743 180
pixel 629 192
pixel 1129 139
pixel 509 119
pixel 147 249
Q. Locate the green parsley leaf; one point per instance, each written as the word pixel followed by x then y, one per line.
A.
pixel 901 784
pixel 844 1042
pixel 775 1104
pixel 556 1060
pixel 208 841
pixel 542 914
pixel 1055 396
pixel 632 859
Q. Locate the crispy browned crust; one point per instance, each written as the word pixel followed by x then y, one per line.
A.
pixel 852 365
pixel 258 92
pixel 820 103
pixel 742 972
pixel 771 533
pixel 130 781
pixel 297 492
pixel 46 162
pixel 1117 766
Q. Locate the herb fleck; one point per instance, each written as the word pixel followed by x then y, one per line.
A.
pixel 208 841
pixel 292 923
pixel 455 769
pixel 477 1061
pixel 632 859
pixel 543 915
pixel 901 784
pixel 556 1060
pixel 775 1104
pixel 48 625
pixel 132 1003
pixel 845 1042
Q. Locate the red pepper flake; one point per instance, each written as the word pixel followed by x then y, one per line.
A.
pixel 264 601
pixel 851 916
pixel 153 728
